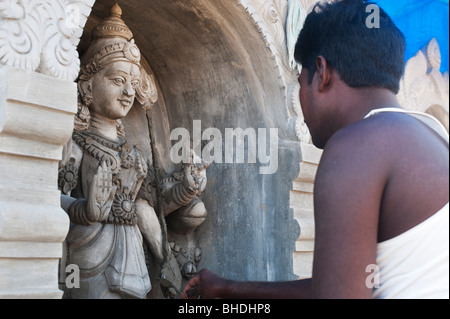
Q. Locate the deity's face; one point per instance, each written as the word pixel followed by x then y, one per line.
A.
pixel 114 89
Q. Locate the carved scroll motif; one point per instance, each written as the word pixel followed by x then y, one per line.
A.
pixel 423 87
pixel 270 18
pixel 42 36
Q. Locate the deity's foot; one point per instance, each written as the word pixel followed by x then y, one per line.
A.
pixel 188 258
pixel 171 278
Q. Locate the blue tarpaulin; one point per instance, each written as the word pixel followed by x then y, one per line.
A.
pixel 420 21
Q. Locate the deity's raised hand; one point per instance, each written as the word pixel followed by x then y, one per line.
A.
pixel 195 173
pixel 101 194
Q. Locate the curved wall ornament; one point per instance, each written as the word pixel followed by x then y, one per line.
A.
pixel 42 36
pixel 423 87
pixel 271 17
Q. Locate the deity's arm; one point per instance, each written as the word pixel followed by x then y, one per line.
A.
pixel 68 180
pixel 69 167
pixel 148 221
pixel 151 228
pixel 77 210
pixel 185 186
pixel 175 194
pixel 97 205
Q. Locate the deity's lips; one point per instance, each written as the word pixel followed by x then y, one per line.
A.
pixel 125 102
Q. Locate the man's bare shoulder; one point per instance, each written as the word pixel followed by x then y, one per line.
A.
pixel 395 161
pixel 386 134
pixel 360 154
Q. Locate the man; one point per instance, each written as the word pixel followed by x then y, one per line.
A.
pixel 381 229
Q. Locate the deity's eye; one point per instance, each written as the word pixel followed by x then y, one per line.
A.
pixel 118 80
pixel 135 84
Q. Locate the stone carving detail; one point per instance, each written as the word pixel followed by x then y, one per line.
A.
pixel 294 23
pixel 279 22
pixel 424 88
pixel 301 129
pixel 116 203
pixel 42 36
pixel 270 18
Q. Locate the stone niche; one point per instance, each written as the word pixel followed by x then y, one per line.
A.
pixel 211 64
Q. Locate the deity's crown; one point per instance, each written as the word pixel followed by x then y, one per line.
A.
pixel 112 40
pixel 113 26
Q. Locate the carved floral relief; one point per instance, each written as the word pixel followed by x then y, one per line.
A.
pixel 42 36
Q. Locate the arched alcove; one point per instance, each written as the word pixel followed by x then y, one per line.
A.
pixel 211 64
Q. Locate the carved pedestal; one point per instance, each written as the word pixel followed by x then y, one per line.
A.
pixel 36 119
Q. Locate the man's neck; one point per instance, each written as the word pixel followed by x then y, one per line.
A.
pixel 362 101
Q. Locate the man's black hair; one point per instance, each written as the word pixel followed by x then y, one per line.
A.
pixel 362 54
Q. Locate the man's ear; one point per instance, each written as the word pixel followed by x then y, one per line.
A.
pixel 85 90
pixel 324 73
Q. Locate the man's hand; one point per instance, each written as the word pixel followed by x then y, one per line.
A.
pixel 206 285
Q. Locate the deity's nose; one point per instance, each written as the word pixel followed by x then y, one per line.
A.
pixel 129 90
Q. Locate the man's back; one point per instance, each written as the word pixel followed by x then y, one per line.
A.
pixel 418 185
pixel 378 178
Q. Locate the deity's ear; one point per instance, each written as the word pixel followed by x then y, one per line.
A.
pixel 85 90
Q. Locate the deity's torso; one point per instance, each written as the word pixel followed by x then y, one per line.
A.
pixel 128 167
pixel 109 252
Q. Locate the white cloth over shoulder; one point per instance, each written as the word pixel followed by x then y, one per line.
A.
pixel 415 264
pixel 427 119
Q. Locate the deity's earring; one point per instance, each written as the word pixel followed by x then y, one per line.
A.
pixel 85 90
pixel 83 117
pixel 87 100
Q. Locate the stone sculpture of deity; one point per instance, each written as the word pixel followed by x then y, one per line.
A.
pixel 115 203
